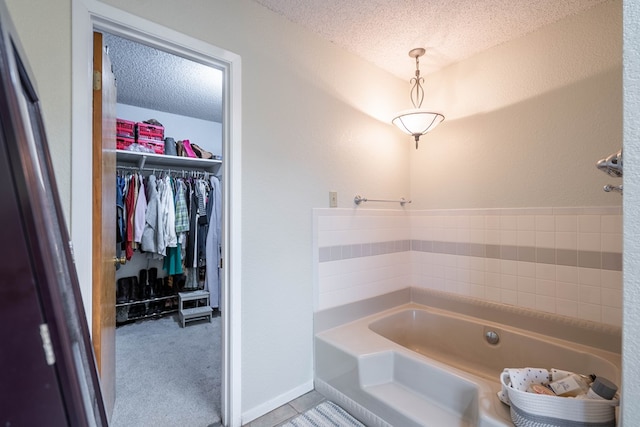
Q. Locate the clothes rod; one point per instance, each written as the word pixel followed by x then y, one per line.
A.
pixel 359 199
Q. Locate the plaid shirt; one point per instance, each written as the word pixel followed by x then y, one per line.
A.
pixel 182 213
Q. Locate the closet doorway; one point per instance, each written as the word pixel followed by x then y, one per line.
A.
pixel 184 99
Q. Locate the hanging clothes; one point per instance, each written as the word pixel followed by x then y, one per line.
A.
pixel 152 217
pixel 130 204
pixel 182 219
pixel 214 240
pixel 141 209
pixel 190 253
pixel 182 212
pixel 173 261
pixel 168 216
pixel 203 224
pixel 120 216
pixel 175 220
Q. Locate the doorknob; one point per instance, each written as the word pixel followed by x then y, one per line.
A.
pixel 117 260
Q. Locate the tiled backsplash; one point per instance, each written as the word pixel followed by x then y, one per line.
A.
pixel 559 260
pixel 359 254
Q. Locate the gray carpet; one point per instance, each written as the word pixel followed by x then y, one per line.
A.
pixel 167 375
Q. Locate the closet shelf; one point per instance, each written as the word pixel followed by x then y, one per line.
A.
pixel 161 161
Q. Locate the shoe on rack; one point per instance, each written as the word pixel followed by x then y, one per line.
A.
pixel 135 293
pixel 143 280
pixel 201 152
pixel 153 283
pixel 187 148
pixel 169 285
pixel 180 149
pixel 137 310
pixel 160 288
pixel 179 281
pixel 122 290
pixel 122 314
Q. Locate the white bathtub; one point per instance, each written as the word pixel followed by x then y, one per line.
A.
pixel 416 365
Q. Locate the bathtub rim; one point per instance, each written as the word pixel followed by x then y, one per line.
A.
pixel 373 340
pixel 591 334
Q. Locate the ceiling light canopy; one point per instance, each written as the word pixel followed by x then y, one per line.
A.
pixel 417 121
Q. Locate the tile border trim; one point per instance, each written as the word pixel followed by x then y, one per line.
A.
pixel 553 256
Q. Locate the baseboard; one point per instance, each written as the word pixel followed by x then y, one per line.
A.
pixel 272 404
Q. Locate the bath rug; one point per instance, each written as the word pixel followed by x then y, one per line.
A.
pixel 326 414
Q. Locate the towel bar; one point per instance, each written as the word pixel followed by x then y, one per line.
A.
pixel 359 199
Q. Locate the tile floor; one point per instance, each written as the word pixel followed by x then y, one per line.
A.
pixel 288 411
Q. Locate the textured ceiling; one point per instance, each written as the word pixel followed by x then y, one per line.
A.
pixel 150 78
pixel 380 31
pixel 384 31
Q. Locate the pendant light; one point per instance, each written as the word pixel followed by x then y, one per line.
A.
pixel 417 121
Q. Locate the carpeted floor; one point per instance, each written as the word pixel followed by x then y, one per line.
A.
pixel 167 375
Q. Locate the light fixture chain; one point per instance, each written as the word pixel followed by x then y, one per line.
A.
pixel 417 91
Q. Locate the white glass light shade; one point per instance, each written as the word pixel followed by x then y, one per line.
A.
pixel 416 121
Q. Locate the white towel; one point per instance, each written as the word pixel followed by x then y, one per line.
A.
pixel 521 379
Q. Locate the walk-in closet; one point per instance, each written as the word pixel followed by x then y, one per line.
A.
pixel 168 237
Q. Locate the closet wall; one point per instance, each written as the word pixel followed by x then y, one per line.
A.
pixel 207 134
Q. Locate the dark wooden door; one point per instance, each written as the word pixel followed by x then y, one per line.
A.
pixel 29 389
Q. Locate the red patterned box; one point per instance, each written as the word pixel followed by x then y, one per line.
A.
pixel 125 128
pixel 149 132
pixel 122 143
pixel 156 145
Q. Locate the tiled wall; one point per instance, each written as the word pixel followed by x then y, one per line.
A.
pixel 359 254
pixel 559 260
pixel 566 261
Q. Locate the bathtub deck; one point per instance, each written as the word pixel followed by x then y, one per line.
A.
pixel 421 409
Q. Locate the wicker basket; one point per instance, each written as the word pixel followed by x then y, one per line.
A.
pixel 539 410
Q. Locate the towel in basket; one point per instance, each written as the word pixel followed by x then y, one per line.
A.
pixel 540 410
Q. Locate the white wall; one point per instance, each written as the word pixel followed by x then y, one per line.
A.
pixel 527 120
pixel 45 34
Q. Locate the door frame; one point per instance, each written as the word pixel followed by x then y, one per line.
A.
pixel 91 15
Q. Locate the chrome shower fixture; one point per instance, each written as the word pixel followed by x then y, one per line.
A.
pixel 612 166
pixel 609 188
